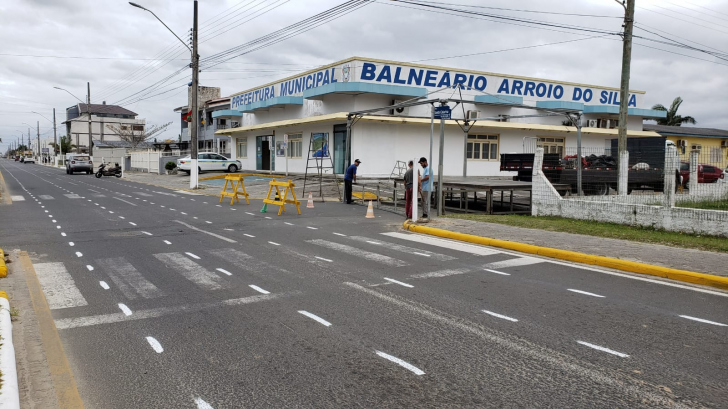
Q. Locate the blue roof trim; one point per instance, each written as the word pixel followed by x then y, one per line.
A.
pixel 277 101
pixel 365 87
pixel 226 113
pixel 499 99
pixel 614 109
pixel 577 106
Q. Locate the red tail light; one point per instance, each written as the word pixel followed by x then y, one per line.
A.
pixel 73 162
pixel 90 163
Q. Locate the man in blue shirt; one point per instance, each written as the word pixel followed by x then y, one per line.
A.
pixel 349 178
pixel 426 186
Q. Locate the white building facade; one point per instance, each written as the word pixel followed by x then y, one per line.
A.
pixel 105 120
pixel 315 105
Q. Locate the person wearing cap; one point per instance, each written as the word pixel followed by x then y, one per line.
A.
pixel 425 186
pixel 349 178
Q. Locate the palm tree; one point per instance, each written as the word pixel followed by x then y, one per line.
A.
pixel 673 119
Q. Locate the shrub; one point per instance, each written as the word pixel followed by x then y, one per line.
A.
pixel 170 165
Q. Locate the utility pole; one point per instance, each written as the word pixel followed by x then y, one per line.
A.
pixel 624 96
pixel 38 133
pixel 88 110
pixel 55 141
pixel 440 160
pixel 195 113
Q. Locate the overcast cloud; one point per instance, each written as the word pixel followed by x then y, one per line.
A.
pixel 132 38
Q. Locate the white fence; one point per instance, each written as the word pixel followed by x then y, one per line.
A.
pixel 146 161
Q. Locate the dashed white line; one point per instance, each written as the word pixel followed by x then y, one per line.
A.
pixel 156 346
pixel 222 270
pixel 54 220
pixel 250 213
pixel 585 293
pixel 122 217
pixel 268 217
pixel 315 318
pixel 111 212
pixel 70 243
pixel 184 213
pixel 703 321
pixel 500 316
pixel 132 223
pixel 201 404
pixel 290 224
pixel 339 234
pixel 208 222
pixel 258 289
pixel 372 242
pixel 63 234
pixel 410 367
pixel 248 235
pixel 193 255
pixel 147 233
pixel 90 267
pixel 324 259
pixel 312 228
pixel 274 243
pixel 104 285
pixel 422 254
pixel 399 282
pixel 78 254
pixel 167 242
pixel 125 309
pixel 496 272
pixel 607 350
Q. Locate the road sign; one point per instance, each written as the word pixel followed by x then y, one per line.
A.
pixel 442 112
pixel 44 150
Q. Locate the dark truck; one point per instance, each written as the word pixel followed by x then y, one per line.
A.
pixel 599 173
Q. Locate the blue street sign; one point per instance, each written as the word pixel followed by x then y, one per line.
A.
pixel 442 112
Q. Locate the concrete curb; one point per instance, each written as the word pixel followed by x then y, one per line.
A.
pixel 624 265
pixel 4 195
pixel 10 394
pixel 3 266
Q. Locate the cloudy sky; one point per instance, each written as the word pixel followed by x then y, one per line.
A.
pixel 123 51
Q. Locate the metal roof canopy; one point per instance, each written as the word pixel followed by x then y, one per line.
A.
pixel 353 118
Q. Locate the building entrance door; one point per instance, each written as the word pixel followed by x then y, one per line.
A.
pixel 339 148
pixel 263 151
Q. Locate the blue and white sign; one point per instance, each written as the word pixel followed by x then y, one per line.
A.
pixel 442 112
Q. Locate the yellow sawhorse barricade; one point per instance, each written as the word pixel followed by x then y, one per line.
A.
pixel 283 199
pixel 236 184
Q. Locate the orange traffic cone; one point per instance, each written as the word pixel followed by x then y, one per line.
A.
pixel 370 211
pixel 310 201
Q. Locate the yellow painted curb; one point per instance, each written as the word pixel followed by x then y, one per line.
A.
pixel 624 265
pixel 4 195
pixel 3 267
pixel 4 295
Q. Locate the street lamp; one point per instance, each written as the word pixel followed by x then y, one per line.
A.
pixel 195 65
pixel 88 112
pixel 55 141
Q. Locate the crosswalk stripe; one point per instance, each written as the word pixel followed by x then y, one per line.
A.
pixel 17 198
pixel 442 273
pixel 453 245
pixel 46 197
pixel 58 285
pixel 380 258
pixel 98 195
pixel 404 249
pixel 191 270
pixel 128 279
pixel 514 262
pixel 72 196
pixel 232 256
pixel 143 194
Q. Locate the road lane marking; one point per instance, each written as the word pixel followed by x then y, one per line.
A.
pixel 315 318
pixel 258 289
pixel 252 214
pixel 184 213
pixel 324 259
pixel 201 404
pixel 514 262
pixel 312 228
pixel 585 293
pixel 196 257
pixel 206 232
pixel 358 252
pixel 452 245
pixel 54 221
pixel 63 234
pixel 399 282
pixel 156 346
pixel 208 222
pixel 126 201
pixel 191 270
pixel 505 317
pixel 274 243
pixel 442 273
pixel 89 267
pixel 496 272
pixel 111 212
pixel 222 270
pixel 58 286
pixel 290 224
pixel 248 235
pixel 129 281
pixel 372 242
pixel 268 217
pixel 603 349
pixel 404 249
pixel 125 309
pixel 147 233
pixel 122 217
pixel 417 371
pixel 167 242
pixel 132 223
pixel 703 321
pixel 104 285
pixel 79 254
pixel 422 254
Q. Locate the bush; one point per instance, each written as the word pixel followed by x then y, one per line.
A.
pixel 170 165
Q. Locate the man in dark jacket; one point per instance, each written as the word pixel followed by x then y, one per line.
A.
pixel 349 178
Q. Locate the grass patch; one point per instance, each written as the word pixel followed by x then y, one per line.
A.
pixel 708 205
pixel 607 230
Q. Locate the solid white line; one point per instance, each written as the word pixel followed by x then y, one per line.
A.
pixel 156 346
pixel 258 289
pixel 104 285
pixel 79 254
pixel 324 259
pixel 132 223
pixel 315 318
pixel 167 242
pixel 312 228
pixel 274 243
pixel 496 272
pixel 201 404
pixel 704 321
pixel 248 235
pixel 90 267
pixel 607 350
pixel 222 270
pixel 585 293
pixel 192 255
pixel 70 243
pixel 125 309
pixel 399 282
pixel 206 232
pixel 500 316
pixel 147 233
pixel 410 367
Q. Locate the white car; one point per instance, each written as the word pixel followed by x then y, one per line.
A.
pixel 209 162
pixel 29 160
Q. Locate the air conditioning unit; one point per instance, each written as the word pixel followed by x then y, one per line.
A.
pixel 682 143
pixel 724 144
pixel 473 114
pixel 400 111
pixel 592 123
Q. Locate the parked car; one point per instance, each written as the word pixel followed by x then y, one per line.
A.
pixel 29 160
pixel 209 162
pixel 706 173
pixel 78 162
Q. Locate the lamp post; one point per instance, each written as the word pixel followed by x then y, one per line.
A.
pixel 195 65
pixel 55 141
pixel 88 112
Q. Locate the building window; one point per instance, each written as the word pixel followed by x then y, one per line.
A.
pixel 243 150
pixel 124 127
pixel 551 145
pixel 696 147
pixel 483 147
pixel 295 145
pixel 138 128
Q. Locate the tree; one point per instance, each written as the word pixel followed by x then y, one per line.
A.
pixel 673 119
pixel 135 138
pixel 65 145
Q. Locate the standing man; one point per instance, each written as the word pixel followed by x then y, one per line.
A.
pixel 408 185
pixel 349 178
pixel 426 186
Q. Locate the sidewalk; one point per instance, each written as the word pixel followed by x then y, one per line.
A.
pixel 683 259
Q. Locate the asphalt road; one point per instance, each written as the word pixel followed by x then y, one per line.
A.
pixel 164 299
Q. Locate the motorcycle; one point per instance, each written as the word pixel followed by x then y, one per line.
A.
pixel 114 171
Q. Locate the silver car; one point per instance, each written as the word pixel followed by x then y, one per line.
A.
pixel 79 163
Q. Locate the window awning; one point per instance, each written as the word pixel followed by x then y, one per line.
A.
pixel 355 88
pixel 276 102
pixel 498 99
pixel 614 109
pixel 227 113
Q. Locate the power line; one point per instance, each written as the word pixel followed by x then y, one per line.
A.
pixel 525 11
pixel 681 19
